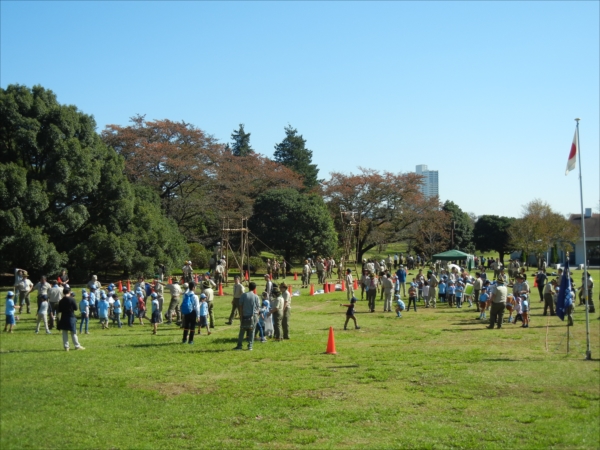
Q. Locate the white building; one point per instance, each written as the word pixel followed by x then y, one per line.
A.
pixel 429 188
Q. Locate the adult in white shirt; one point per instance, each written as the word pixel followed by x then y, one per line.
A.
pixel 287 310
pixel 25 286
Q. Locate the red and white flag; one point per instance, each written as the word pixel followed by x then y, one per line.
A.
pixel 573 154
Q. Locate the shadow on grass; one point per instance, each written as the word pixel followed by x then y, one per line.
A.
pixel 6 352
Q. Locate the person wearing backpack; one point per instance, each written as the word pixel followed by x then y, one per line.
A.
pixel 190 310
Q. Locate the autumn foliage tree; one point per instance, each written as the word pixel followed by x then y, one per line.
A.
pixel 540 228
pixel 431 232
pixel 197 179
pixel 388 205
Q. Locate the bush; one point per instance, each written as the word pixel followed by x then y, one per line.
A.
pixel 199 256
pixel 257 264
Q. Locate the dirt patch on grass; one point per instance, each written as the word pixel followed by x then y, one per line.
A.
pixel 178 388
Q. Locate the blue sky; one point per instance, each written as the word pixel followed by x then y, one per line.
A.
pixel 484 92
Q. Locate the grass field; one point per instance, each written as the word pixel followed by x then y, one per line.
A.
pixel 436 378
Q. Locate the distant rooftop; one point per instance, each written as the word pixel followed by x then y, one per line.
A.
pixel 592 224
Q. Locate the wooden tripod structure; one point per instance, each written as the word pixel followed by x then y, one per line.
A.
pixel 350 230
pixel 241 257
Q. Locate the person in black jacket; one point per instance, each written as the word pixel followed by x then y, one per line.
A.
pixel 68 322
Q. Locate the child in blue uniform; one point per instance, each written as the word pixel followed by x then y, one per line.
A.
pixel 84 307
pixel 10 312
pixel 203 315
pixel 399 305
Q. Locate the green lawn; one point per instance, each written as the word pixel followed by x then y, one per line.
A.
pixel 432 379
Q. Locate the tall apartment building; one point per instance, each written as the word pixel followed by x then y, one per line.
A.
pixel 429 188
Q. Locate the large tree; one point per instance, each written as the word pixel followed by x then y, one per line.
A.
pixel 241 142
pixel 61 186
pixel 294 224
pixel 292 153
pixel 539 228
pixel 491 234
pixel 431 234
pixel 198 180
pixel 460 228
pixel 386 206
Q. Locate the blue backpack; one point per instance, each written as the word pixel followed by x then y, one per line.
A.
pixel 188 303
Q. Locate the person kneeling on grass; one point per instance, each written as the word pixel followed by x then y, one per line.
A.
pixel 350 313
pixel 399 305
pixel 155 318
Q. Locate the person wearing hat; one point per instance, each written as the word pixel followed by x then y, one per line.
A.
pixel 176 292
pixel 9 312
pixel 103 307
pixel 203 318
pixel 549 297
pixel 25 286
pixel 93 299
pixel 155 317
pixel 84 309
pixel 188 272
pixel 68 321
pixel 287 310
pixel 433 284
pixel 498 303
pixel 521 288
pixel 249 309
pixel 276 312
pixel 210 296
pixel 306 271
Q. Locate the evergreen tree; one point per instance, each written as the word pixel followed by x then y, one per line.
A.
pixel 292 152
pixel 241 142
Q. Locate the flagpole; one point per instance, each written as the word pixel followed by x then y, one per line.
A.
pixel 588 351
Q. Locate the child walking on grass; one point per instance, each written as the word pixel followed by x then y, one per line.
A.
pixel 42 314
pixel 483 298
pixel 103 307
pixel 350 313
pixel 203 315
pixel 84 308
pixel 155 318
pixel 141 307
pixel 10 312
pixel 412 296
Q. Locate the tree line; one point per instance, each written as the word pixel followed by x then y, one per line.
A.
pixel 135 196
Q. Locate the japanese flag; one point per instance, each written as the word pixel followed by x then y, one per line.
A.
pixel 573 154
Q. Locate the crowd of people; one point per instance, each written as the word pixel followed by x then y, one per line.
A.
pixel 268 316
pixel 191 305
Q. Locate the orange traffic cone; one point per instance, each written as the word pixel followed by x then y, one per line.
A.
pixel 120 286
pixel 170 280
pixel 270 276
pixel 220 290
pixel 326 288
pixel 355 285
pixel 290 288
pixel 246 276
pixel 343 286
pixel 312 289
pixel 295 276
pixel 128 286
pixel 331 343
